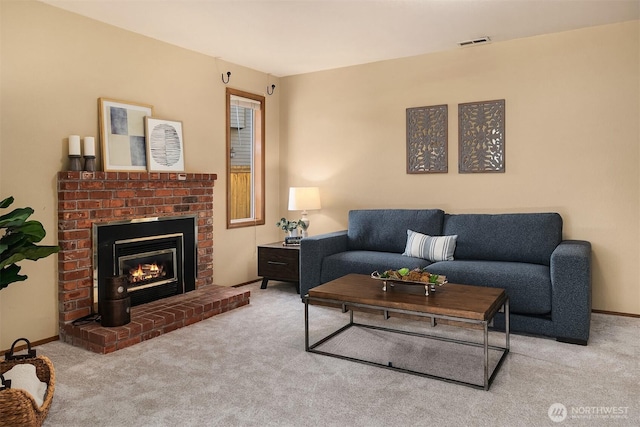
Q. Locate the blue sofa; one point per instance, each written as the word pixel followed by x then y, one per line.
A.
pixel 548 279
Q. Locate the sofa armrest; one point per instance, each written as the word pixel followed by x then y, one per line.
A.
pixel 571 290
pixel 312 251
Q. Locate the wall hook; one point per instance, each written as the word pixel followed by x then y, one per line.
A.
pixel 228 77
pixel 273 88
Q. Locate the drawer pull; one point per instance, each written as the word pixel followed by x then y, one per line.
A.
pixel 276 263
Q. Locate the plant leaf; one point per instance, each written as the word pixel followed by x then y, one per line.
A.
pixel 9 275
pixel 33 229
pixel 17 242
pixel 6 202
pixel 12 240
pixel 15 218
pixel 14 243
pixel 31 252
pixel 12 259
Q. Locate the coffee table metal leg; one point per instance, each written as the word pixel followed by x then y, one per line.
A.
pixel 486 355
pixel 306 324
pixel 506 322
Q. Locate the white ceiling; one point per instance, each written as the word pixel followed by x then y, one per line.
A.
pixel 286 37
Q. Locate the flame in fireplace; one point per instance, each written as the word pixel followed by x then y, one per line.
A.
pixel 145 272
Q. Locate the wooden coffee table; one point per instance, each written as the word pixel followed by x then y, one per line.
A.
pixel 470 305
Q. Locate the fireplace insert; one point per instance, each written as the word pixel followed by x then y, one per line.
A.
pixel 158 257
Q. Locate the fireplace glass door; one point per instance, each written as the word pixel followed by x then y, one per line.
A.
pixel 151 264
pixel 147 269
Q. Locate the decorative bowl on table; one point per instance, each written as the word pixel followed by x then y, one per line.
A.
pixel 405 276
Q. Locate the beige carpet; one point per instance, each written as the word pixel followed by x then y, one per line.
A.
pixel 248 367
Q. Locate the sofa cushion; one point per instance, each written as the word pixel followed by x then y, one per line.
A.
pixel 505 237
pixel 528 285
pixel 432 248
pixel 366 262
pixel 385 230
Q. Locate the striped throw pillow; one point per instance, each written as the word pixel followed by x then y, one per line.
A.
pixel 432 248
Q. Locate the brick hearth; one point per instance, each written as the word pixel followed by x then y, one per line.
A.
pixel 85 198
pixel 156 318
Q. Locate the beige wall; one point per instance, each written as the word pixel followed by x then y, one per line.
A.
pixel 55 65
pixel 572 140
pixel 572 137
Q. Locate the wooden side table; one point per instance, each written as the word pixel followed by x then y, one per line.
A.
pixel 279 262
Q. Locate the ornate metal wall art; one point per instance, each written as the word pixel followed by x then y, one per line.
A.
pixel 427 144
pixel 481 136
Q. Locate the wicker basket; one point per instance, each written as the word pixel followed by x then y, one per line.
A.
pixel 17 406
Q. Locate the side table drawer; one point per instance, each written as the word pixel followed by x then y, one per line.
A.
pixel 278 264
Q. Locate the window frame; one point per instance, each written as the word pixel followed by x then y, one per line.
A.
pixel 258 167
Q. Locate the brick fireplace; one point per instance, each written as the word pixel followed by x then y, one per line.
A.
pixel 88 198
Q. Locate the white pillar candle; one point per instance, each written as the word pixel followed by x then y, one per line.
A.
pixel 89 146
pixel 74 145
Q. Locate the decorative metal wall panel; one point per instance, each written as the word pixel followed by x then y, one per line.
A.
pixel 427 144
pixel 481 136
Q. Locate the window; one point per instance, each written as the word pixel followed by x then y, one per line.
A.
pixel 245 159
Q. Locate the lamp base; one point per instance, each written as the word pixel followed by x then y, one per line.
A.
pixel 305 220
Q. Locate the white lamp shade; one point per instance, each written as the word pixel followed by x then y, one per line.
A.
pixel 304 198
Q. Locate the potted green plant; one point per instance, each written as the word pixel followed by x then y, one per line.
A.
pixel 291 227
pixel 18 238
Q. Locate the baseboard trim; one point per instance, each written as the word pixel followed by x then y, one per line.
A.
pixel 246 283
pixel 33 344
pixel 616 313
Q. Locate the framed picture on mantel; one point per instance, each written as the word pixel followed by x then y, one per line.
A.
pixel 165 145
pixel 122 134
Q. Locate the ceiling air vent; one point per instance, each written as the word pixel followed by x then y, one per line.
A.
pixel 480 40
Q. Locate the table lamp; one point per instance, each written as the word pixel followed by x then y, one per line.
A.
pixel 303 199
